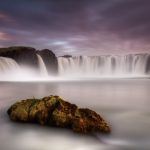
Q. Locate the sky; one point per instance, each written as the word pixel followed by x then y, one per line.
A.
pixel 77 27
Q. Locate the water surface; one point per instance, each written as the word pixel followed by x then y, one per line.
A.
pixel 123 103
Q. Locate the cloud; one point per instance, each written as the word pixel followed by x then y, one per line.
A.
pixel 4 37
pixel 129 19
pixel 81 27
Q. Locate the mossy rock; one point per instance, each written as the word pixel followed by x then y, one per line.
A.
pixel 54 111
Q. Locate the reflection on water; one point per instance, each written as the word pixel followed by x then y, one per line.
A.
pixel 123 103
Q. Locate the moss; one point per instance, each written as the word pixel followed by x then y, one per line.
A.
pixel 54 111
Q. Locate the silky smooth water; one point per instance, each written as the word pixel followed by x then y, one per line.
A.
pixel 131 65
pixel 123 103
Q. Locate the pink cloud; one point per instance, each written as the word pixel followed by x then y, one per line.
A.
pixel 5 17
pixel 4 36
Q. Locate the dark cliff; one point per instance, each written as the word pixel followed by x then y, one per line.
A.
pixel 27 56
pixel 148 65
pixel 50 60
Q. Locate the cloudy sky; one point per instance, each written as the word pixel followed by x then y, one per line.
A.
pixel 77 27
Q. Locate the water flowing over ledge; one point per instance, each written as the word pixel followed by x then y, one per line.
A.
pixel 79 67
pixel 105 66
pixel 42 67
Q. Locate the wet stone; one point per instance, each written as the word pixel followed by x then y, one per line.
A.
pixel 54 111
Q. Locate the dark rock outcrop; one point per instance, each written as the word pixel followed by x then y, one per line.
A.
pixel 50 60
pixel 54 111
pixel 148 65
pixel 25 56
pixel 66 56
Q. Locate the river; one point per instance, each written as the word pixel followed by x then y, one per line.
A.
pixel 124 103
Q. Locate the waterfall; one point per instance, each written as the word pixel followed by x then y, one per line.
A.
pixel 7 65
pixel 130 65
pixel 42 67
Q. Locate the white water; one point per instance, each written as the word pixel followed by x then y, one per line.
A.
pixel 7 64
pixel 81 67
pixel 104 66
pixel 42 67
pixel 123 103
pixel 10 70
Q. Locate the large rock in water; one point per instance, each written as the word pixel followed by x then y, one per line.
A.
pixel 50 60
pixel 54 111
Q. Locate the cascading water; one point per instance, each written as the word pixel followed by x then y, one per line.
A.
pixel 8 69
pixel 7 65
pixel 42 67
pixel 132 65
pixel 11 71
